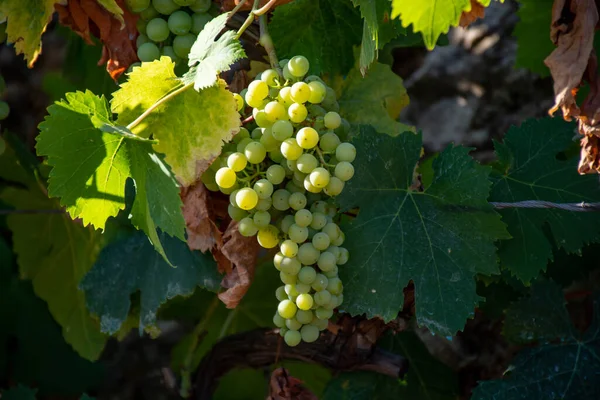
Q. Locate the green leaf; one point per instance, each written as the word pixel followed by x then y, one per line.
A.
pixel 184 137
pixel 90 168
pixel 128 265
pixel 327 41
pixel 375 100
pixel 208 58
pixel 533 35
pixel 531 166
pixel 62 253
pixel 19 393
pixel 431 17
pixel 561 369
pixel 27 20
pixel 439 238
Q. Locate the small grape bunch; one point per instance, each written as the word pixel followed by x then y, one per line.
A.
pixel 168 27
pixel 282 179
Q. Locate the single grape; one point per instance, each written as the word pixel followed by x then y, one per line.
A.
pixel 322 297
pixel 201 5
pixel 298 234
pixel 148 52
pixel 320 283
pixel 298 66
pixel 157 30
pixel 292 338
pixel 321 241
pixel 293 324
pixel 169 52
pixel 253 100
pixel 255 152
pixel 261 219
pixel 290 149
pixel 297 112
pixel 283 331
pixel 275 111
pixel 319 177
pixel 334 286
pixel 317 92
pixel 329 142
pixel 258 88
pixel 323 313
pixel 263 204
pixel 290 290
pixel 317 111
pixel 141 39
pixel 307 137
pixel 332 230
pixel 281 199
pixel 334 187
pixel 149 13
pixel 290 265
pixel 304 316
pixel 285 96
pixel 319 220
pixel 281 294
pixel 332 120
pixel 297 201
pixel 302 288
pixel 242 134
pixel 304 301
pixel 278 320
pixel 333 303
pixel 237 161
pixel 180 22
pixel 247 227
pixel 182 45
pixel 282 130
pixel 268 141
pixel 344 171
pixel 268 237
pixel 225 177
pixel 326 260
pixel 309 186
pixel 345 152
pixel 239 100
pixel 232 198
pixel 277 259
pixel 236 214
pixel 287 278
pixel 303 218
pixel 276 156
pixel 287 309
pixel 307 163
pixel 241 146
pixel 332 273
pixel 246 198
pixel 319 206
pixel 270 77
pixel 321 324
pixel 289 248
pixel 340 240
pixel 344 255
pixel 307 253
pixel 137 6
pixel 275 174
pixel 166 7
pixel 300 92
pixel 263 188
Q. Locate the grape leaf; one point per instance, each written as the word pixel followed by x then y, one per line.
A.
pixel 27 20
pixel 327 41
pixel 19 393
pixel 530 167
pixel 562 369
pixel 431 17
pixel 63 252
pixel 208 58
pixel 186 138
pixel 532 33
pixel 375 100
pixel 90 168
pixel 439 238
pixel 130 264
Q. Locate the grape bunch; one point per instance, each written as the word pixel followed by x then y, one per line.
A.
pixel 282 179
pixel 168 27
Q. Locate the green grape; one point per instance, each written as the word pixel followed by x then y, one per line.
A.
pixel 141 26
pixel 298 234
pixel 289 248
pixel 333 273
pixel 307 137
pixel 180 22
pixel 183 44
pixel 321 324
pixel 261 219
pixel 264 204
pixel 237 161
pixel 275 155
pixel 319 206
pixel 277 259
pixel 253 100
pixel 344 171
pixel 225 177
pixel 255 152
pixel 256 133
pixel 169 52
pixel 291 166
pixel 278 321
pixel 332 230
pixel 270 77
pixel 287 278
pixel 307 253
pixel 239 100
pixel 247 228
pixel 275 174
pixel 263 188
pixel 335 250
pixel 236 213
pixel 345 152
pixel 317 111
pixel 304 301
pixel 281 294
pixel 326 260
pixel 282 130
pixel 232 197
pixel 241 146
pixel 303 218
pixel 287 309
pixel 297 201
pixel 293 324
pixel 307 163
pixel 290 290
pixel 309 186
pixel 281 199
pixel 166 7
pixel 317 92
pixel 137 6
pixel 322 297
pixel 321 241
pixel 297 112
pixel 320 283
pixel 304 316
pixel 184 3
pixel 307 275
pixel 201 5
pixel 290 266
pixel 290 149
pixel 275 111
pixel 302 288
pixel 242 134
pixel 285 96
pixel 333 303
pixel 199 21
pixel 334 187
pixel 246 199
pixel 319 220
pixel 332 120
pixel 329 142
pixel 148 52
pixel 261 119
pixel 283 331
pixel 330 101
pixel 298 176
pixel 157 30
pixel 319 177
pixel 268 237
pixel 300 92
pixel 323 313
pixel 334 286
pixel 292 338
pixel 268 141
pixel 149 13
pixel 344 256
pixel 340 240
pixel 298 66
pixel 4 110
pixel 286 222
pixel 259 89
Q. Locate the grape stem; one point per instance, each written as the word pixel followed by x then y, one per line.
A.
pixel 236 9
pixel 266 42
pixel 265 9
pixel 249 20
pixel 320 154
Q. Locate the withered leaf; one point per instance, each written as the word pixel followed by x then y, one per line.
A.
pixel 202 232
pixel 468 17
pixel 283 386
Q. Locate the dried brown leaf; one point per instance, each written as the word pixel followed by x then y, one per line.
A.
pixel 238 260
pixel 87 17
pixel 283 386
pixel 468 17
pixel 203 233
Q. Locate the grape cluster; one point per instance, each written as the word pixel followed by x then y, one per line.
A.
pixel 282 179
pixel 168 27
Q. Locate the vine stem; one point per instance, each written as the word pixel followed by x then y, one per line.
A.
pixel 266 42
pixel 249 20
pixel 236 8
